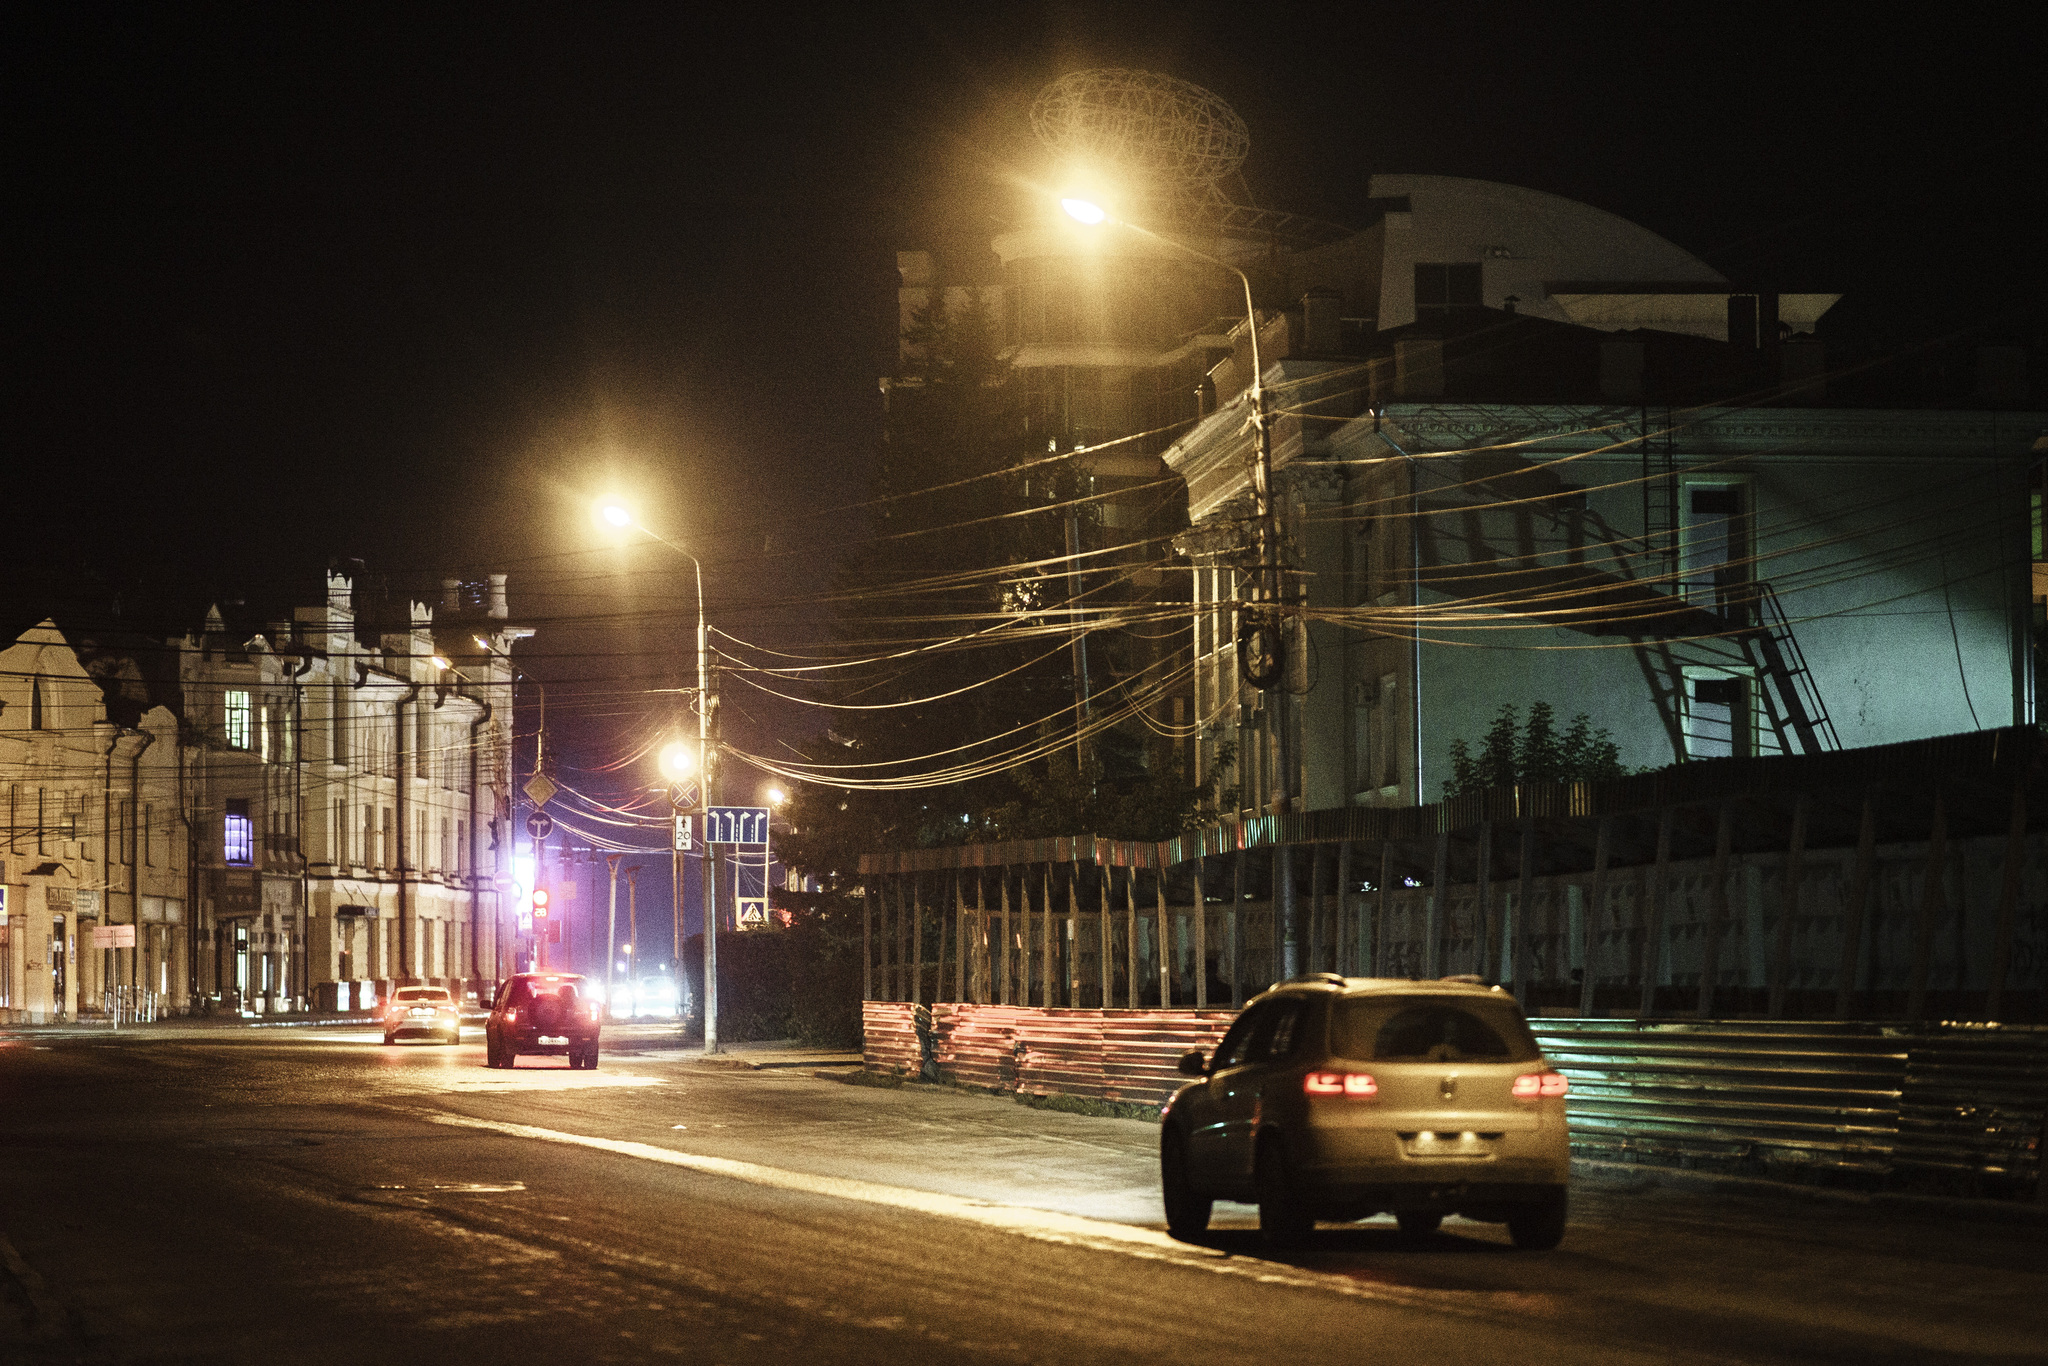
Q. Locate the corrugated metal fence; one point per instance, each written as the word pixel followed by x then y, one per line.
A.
pixel 1955 1109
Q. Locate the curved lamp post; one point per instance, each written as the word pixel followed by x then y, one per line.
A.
pixel 1263 640
pixel 679 761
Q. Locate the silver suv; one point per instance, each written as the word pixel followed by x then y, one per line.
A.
pixel 1340 1098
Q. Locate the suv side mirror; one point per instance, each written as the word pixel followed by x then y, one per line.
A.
pixel 1192 1064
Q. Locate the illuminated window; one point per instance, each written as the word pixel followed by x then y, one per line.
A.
pixel 235 718
pixel 238 834
pixel 263 731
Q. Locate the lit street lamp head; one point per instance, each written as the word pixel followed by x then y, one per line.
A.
pixel 678 760
pixel 615 514
pixel 1085 211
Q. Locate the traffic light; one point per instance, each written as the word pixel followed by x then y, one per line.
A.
pixel 540 903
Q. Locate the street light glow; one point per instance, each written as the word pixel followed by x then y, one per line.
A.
pixel 442 663
pixel 678 760
pixel 1085 211
pixel 776 796
pixel 615 513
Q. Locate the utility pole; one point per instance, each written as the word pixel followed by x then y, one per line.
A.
pixel 633 920
pixel 611 932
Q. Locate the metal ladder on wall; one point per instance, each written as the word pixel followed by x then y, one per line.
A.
pixel 1775 651
pixel 1660 492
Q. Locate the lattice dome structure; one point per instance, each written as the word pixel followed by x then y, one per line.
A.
pixel 1181 138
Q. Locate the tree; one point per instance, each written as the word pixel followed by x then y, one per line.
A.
pixel 1534 752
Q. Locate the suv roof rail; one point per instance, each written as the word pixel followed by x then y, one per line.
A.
pixel 1334 978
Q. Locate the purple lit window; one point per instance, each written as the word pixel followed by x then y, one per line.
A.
pixel 238 834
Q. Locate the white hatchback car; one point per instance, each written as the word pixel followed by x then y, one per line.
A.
pixel 1341 1098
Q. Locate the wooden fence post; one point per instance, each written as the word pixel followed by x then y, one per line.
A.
pixel 1433 931
pixel 1483 959
pixel 1051 960
pixel 959 934
pixel 2008 910
pixel 1234 924
pixel 1717 909
pixel 1073 934
pixel 916 939
pixel 1596 906
pixel 1525 897
pixel 1349 954
pixel 1003 900
pixel 1788 910
pixel 1653 913
pixel 1857 904
pixel 1108 940
pixel 1383 907
pixel 1933 901
pixel 1163 946
pixel 1131 976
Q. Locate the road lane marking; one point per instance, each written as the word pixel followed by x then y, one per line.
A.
pixel 1043 1225
pixel 535 1079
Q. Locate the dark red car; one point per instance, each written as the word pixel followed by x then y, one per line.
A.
pixel 553 1014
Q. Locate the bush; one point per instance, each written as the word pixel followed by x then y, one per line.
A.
pixel 800 980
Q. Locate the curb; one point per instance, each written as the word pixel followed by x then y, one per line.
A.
pixel 1900 1202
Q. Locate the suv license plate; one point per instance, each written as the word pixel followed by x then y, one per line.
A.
pixel 546 1039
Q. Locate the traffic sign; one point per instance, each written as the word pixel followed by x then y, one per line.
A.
pixel 538 789
pixel 113 936
pixel 540 825
pixel 682 832
pixel 742 825
pixel 753 912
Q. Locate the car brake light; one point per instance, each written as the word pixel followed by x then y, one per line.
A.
pixel 1532 1084
pixel 1357 1085
pixel 511 1015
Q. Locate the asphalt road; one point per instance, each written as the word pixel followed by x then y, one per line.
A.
pixel 308 1196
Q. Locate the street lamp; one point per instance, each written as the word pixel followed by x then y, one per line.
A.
pixel 1261 639
pixel 776 797
pixel 617 515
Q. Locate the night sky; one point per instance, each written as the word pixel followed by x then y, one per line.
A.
pixel 411 285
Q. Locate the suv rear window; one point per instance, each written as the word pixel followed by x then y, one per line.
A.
pixel 422 994
pixel 525 989
pixel 1430 1029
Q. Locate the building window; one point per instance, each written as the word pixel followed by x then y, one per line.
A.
pixel 1714 549
pixel 235 718
pixel 1440 287
pixel 35 703
pixel 238 834
pixel 1720 719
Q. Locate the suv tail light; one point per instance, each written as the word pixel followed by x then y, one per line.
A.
pixel 1533 1084
pixel 1357 1085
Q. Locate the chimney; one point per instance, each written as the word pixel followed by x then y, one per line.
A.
pixel 1322 327
pixel 451 596
pixel 496 601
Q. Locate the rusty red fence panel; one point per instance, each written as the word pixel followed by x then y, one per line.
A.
pixel 1118 1055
